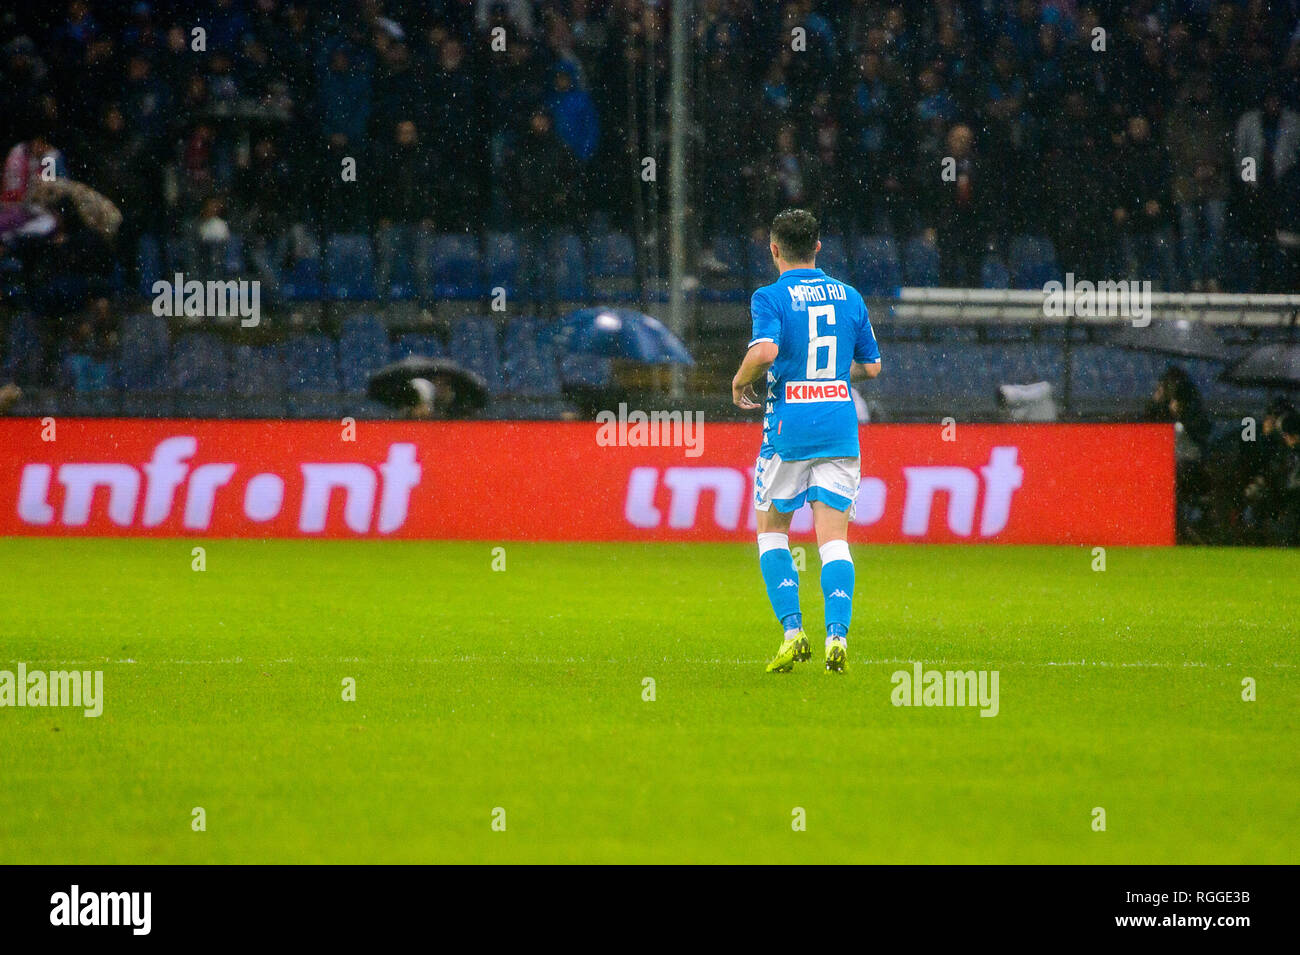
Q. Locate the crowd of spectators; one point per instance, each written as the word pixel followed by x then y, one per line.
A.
pixel 1243 487
pixel 1119 130
pixel 1122 131
pixel 1266 506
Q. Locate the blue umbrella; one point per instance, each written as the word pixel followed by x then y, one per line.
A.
pixel 621 333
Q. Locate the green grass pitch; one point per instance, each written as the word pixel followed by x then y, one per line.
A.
pixel 523 689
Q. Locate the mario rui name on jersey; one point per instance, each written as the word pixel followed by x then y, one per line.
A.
pixel 820 292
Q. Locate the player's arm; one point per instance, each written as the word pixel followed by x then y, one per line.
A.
pixel 860 371
pixel 757 361
pixel 866 351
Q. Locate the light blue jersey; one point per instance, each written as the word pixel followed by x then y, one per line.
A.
pixel 820 328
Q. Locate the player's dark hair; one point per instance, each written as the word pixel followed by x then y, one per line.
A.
pixel 795 231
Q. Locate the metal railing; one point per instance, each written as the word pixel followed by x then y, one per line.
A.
pixel 1077 303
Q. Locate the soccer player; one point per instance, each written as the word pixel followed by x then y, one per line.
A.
pixel 811 338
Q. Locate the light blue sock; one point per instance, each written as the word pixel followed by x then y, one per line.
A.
pixel 780 577
pixel 837 587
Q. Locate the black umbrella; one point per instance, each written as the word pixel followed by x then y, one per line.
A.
pixel 439 383
pixel 1179 337
pixel 1269 366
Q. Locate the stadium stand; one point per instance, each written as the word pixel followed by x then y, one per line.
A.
pixel 239 177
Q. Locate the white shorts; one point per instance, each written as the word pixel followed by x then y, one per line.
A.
pixel 788 485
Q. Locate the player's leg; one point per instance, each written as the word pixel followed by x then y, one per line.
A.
pixel 837 580
pixel 773 477
pixel 834 488
pixel 776 564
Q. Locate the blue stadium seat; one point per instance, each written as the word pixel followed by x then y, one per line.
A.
pixel 1032 262
pixel 175 255
pixel 1103 374
pixel 997 332
pixel 23 354
pixel 889 331
pixel 474 345
pixel 589 370
pixel 613 265
pixel 1240 265
pixel 363 348
pixel 11 277
pixel 455 265
pixel 613 255
pixel 994 273
pixel 85 374
pixel 1222 393
pixel 312 370
pixel 234 261
pixel 258 370
pixel 730 250
pixel 920 264
pixel 1056 331
pixel 200 365
pixel 958 334
pixel 529 366
pixel 349 268
pixel 952 375
pixel 503 252
pixel 833 258
pixel 912 365
pixel 416 343
pixel 730 284
pixel 143 351
pixel 760 255
pixel 1100 372
pixel 876 266
pixel 304 281
pixel 1274 334
pixel 150 263
pixel 1047 254
pixel 312 364
pixel 402 282
pixel 570 265
pixel 1024 363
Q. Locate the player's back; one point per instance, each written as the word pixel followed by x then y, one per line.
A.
pixel 820 326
